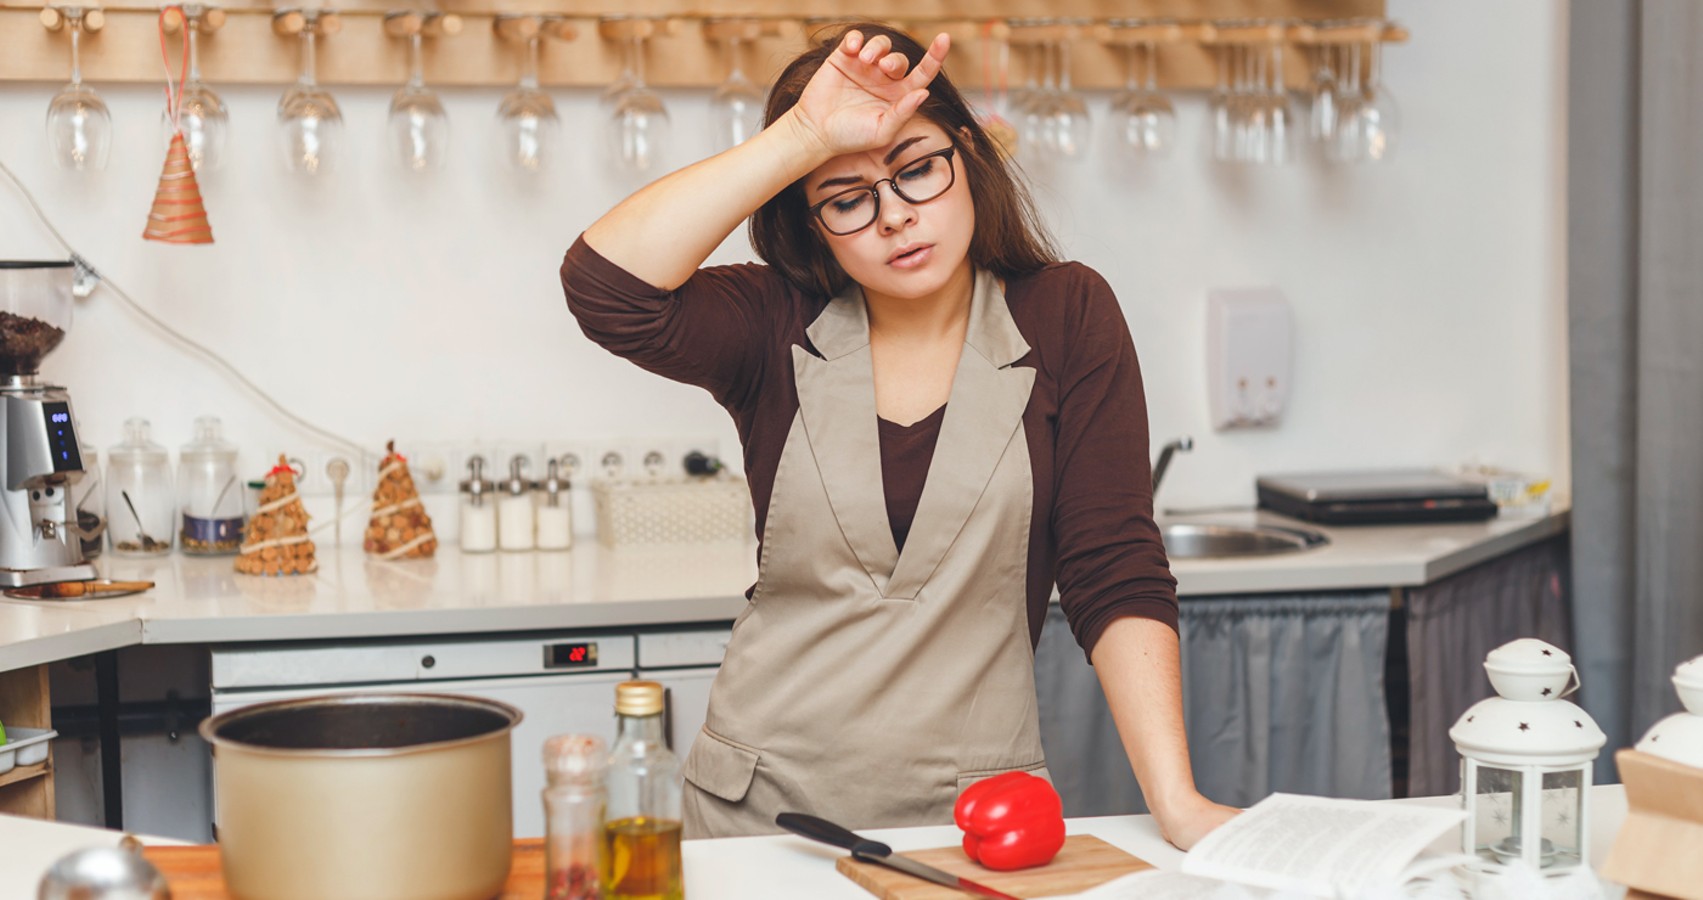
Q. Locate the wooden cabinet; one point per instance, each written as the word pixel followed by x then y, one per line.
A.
pixel 24 701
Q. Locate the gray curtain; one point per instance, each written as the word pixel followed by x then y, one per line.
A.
pixel 1280 693
pixel 1451 625
pixel 1635 278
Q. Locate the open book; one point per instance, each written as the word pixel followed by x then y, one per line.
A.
pixel 1302 845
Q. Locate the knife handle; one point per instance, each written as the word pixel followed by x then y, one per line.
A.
pixel 831 834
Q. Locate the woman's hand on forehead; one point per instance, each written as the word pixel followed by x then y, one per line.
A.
pixel 865 92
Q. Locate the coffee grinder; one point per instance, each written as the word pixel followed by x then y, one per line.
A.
pixel 40 538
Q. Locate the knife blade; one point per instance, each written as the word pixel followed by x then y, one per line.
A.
pixel 864 849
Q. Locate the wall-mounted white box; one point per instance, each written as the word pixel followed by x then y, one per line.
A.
pixel 1249 356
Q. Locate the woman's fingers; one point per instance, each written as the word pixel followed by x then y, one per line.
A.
pixel 875 48
pixel 929 66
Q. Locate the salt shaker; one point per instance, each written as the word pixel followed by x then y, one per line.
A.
pixel 574 804
pixel 478 510
pixel 514 509
pixel 555 513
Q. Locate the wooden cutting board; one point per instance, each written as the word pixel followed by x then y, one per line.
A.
pixel 194 872
pixel 1085 862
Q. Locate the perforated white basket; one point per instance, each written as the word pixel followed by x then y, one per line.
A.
pixel 672 510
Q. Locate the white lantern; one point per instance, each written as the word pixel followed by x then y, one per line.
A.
pixel 1526 760
pixel 1679 737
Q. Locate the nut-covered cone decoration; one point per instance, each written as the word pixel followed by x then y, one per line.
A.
pixel 178 216
pixel 399 528
pixel 276 541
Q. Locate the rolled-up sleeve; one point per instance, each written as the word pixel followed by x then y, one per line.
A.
pixel 1111 560
pixel 710 332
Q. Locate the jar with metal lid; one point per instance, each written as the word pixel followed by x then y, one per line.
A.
pixel 514 509
pixel 478 510
pixel 139 493
pixel 574 804
pixel 555 513
pixel 210 497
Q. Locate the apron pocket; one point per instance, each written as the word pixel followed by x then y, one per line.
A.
pixel 965 779
pixel 720 767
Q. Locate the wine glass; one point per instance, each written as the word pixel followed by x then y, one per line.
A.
pixel 202 116
pixel 79 126
pixel 1072 128
pixel 1380 117
pixel 737 104
pixel 1279 119
pixel 1322 112
pixel 1145 118
pixel 640 118
pixel 419 127
pixel 310 122
pixel 526 118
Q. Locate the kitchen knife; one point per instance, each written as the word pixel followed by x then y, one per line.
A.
pixel 876 852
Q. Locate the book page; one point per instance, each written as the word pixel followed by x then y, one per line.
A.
pixel 1154 884
pixel 1319 845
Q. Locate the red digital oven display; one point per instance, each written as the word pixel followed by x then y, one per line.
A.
pixel 570 656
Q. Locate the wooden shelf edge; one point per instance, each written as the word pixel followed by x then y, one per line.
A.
pixel 21 774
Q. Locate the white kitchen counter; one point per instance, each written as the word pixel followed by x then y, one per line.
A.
pixel 762 868
pixel 203 600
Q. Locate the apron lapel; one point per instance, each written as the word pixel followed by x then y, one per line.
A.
pixel 836 399
pixel 987 402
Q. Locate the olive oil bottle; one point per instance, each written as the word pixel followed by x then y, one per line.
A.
pixel 642 831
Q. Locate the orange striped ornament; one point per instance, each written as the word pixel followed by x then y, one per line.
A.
pixel 178 216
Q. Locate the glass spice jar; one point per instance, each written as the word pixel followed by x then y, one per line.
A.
pixel 574 805
pixel 211 514
pixel 139 494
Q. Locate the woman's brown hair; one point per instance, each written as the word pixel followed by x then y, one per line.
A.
pixel 1009 239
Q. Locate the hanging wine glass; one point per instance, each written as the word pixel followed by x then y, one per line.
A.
pixel 1144 118
pixel 310 122
pixel 419 127
pixel 641 122
pixel 202 113
pixel 737 104
pixel 1072 129
pixel 79 126
pixel 526 119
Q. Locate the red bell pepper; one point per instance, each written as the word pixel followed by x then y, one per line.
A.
pixel 1011 821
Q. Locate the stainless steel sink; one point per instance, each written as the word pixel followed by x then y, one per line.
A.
pixel 1206 541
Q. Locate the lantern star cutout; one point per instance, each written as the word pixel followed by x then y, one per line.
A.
pixel 1547 692
pixel 1525 727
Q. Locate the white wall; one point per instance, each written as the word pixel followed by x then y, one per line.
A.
pixel 1428 291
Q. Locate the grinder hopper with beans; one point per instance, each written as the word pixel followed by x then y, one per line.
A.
pixel 41 538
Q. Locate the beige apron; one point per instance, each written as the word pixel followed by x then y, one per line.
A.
pixel 864 685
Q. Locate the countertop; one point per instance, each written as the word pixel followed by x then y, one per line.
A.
pixel 203 600
pixel 766 868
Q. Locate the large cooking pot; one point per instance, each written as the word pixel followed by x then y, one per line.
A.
pixel 364 796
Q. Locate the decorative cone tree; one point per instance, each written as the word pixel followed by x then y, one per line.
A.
pixel 399 527
pixel 178 216
pixel 276 541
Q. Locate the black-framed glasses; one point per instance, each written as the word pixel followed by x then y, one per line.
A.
pixel 921 180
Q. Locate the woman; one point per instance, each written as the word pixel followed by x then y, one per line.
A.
pixel 938 420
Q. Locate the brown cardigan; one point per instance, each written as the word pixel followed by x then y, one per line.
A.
pixel 730 330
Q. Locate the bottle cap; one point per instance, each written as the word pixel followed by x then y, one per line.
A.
pixel 638 698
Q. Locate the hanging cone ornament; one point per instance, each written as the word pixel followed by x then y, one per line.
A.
pixel 276 540
pixel 177 217
pixel 399 528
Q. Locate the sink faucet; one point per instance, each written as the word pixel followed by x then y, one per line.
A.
pixel 1184 444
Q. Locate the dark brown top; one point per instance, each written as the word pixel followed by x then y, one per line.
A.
pixel 730 330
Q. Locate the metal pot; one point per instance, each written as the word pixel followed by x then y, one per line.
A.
pixel 364 796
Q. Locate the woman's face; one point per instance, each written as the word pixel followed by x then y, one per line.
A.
pixel 910 250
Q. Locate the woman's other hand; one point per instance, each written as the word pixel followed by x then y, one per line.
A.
pixel 864 93
pixel 1185 822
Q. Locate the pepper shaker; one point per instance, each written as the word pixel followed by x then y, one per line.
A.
pixel 514 509
pixel 574 805
pixel 555 513
pixel 478 510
